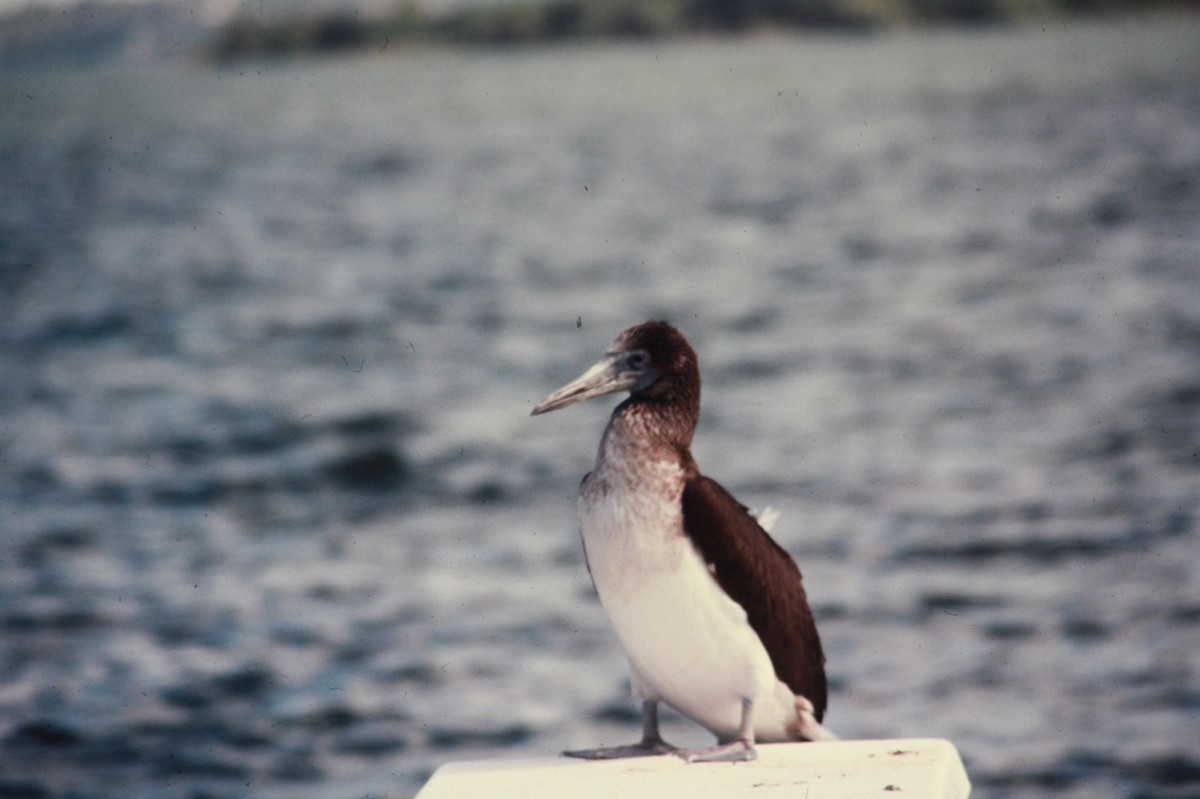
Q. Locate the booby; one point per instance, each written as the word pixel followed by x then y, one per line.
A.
pixel 711 612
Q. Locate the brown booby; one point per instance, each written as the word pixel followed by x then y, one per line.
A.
pixel 711 612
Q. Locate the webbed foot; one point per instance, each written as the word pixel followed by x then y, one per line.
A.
pixel 733 752
pixel 651 744
pixel 640 749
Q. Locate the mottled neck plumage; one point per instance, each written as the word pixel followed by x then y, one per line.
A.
pixel 661 425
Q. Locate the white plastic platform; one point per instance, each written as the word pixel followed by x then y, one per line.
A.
pixel 918 768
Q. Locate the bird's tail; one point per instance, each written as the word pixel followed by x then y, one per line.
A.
pixel 807 726
pixel 766 517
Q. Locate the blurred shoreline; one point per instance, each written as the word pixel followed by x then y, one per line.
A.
pixel 533 22
pixel 95 33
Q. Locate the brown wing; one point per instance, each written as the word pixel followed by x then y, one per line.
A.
pixel 586 562
pixel 761 577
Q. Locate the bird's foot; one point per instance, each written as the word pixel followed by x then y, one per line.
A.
pixel 737 751
pixel 640 749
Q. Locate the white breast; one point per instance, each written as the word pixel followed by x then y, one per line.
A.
pixel 688 643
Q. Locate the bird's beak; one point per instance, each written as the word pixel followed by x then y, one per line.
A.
pixel 607 376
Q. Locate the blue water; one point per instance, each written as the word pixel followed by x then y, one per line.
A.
pixel 275 521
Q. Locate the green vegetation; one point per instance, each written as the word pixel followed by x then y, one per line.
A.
pixel 528 21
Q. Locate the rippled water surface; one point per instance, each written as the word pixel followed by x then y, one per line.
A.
pixel 275 521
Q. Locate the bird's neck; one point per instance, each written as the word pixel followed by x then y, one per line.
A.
pixel 642 429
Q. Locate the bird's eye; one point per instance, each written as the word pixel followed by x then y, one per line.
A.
pixel 638 359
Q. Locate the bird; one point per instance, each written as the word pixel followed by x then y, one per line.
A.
pixel 710 610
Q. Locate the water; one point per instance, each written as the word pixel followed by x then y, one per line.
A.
pixel 274 520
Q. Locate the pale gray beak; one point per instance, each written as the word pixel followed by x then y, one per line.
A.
pixel 608 376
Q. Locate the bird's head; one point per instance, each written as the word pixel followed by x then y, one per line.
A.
pixel 652 361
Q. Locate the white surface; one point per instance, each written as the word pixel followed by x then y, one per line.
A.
pixel 896 769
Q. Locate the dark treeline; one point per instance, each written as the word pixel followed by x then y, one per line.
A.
pixel 529 21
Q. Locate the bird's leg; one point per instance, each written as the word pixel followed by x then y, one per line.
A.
pixel 651 743
pixel 739 750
